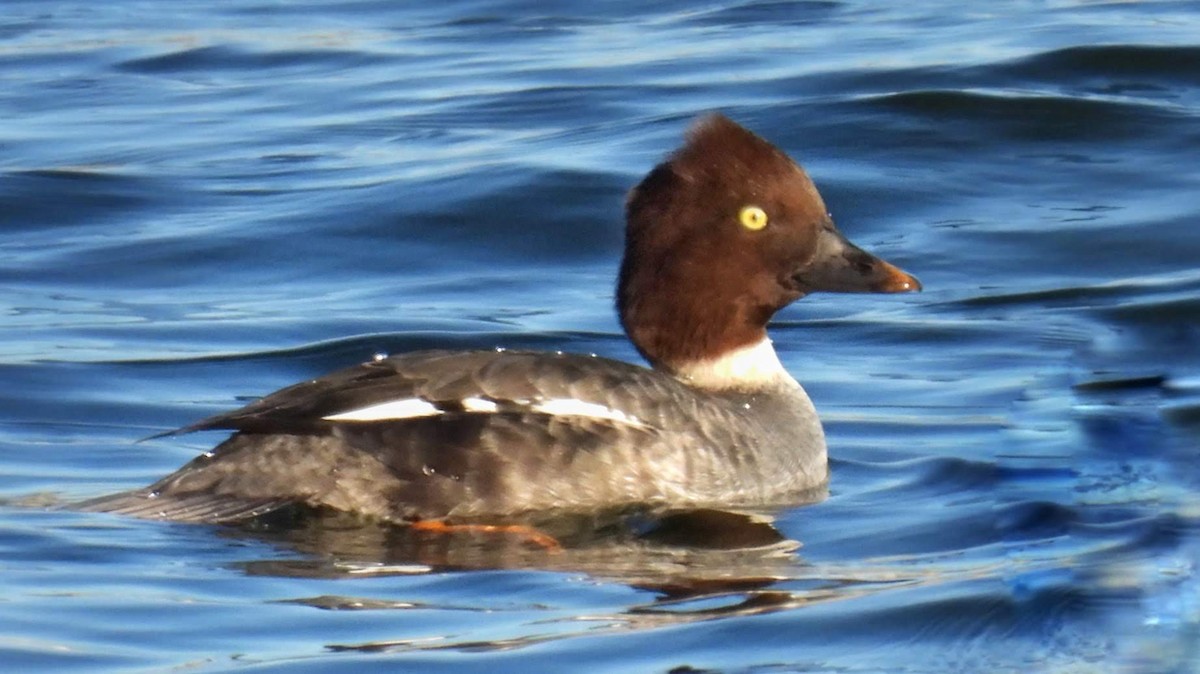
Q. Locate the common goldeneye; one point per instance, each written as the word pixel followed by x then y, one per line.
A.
pixel 723 234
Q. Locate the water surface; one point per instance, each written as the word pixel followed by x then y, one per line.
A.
pixel 202 203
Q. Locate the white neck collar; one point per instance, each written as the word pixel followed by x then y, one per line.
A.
pixel 747 368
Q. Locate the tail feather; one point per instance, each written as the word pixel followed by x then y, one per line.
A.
pixel 208 508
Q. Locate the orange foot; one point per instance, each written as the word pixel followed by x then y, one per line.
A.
pixel 528 534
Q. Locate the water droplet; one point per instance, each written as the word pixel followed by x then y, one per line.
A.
pixel 379 355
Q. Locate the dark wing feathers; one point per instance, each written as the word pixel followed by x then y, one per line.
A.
pixel 444 377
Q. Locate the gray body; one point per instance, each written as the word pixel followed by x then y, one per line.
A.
pixel 680 446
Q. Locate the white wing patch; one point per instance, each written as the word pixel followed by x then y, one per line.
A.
pixel 573 407
pixel 408 408
pixel 412 408
pixel 480 405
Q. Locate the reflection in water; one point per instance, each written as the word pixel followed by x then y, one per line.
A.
pixel 700 565
pixel 653 550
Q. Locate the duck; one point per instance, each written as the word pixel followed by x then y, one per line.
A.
pixel 719 236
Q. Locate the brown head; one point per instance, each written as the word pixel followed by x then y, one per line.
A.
pixel 726 232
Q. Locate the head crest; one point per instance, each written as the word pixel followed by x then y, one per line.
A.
pixel 718 148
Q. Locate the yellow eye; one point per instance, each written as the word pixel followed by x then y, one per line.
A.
pixel 753 218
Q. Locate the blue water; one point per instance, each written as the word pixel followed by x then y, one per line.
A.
pixel 202 202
